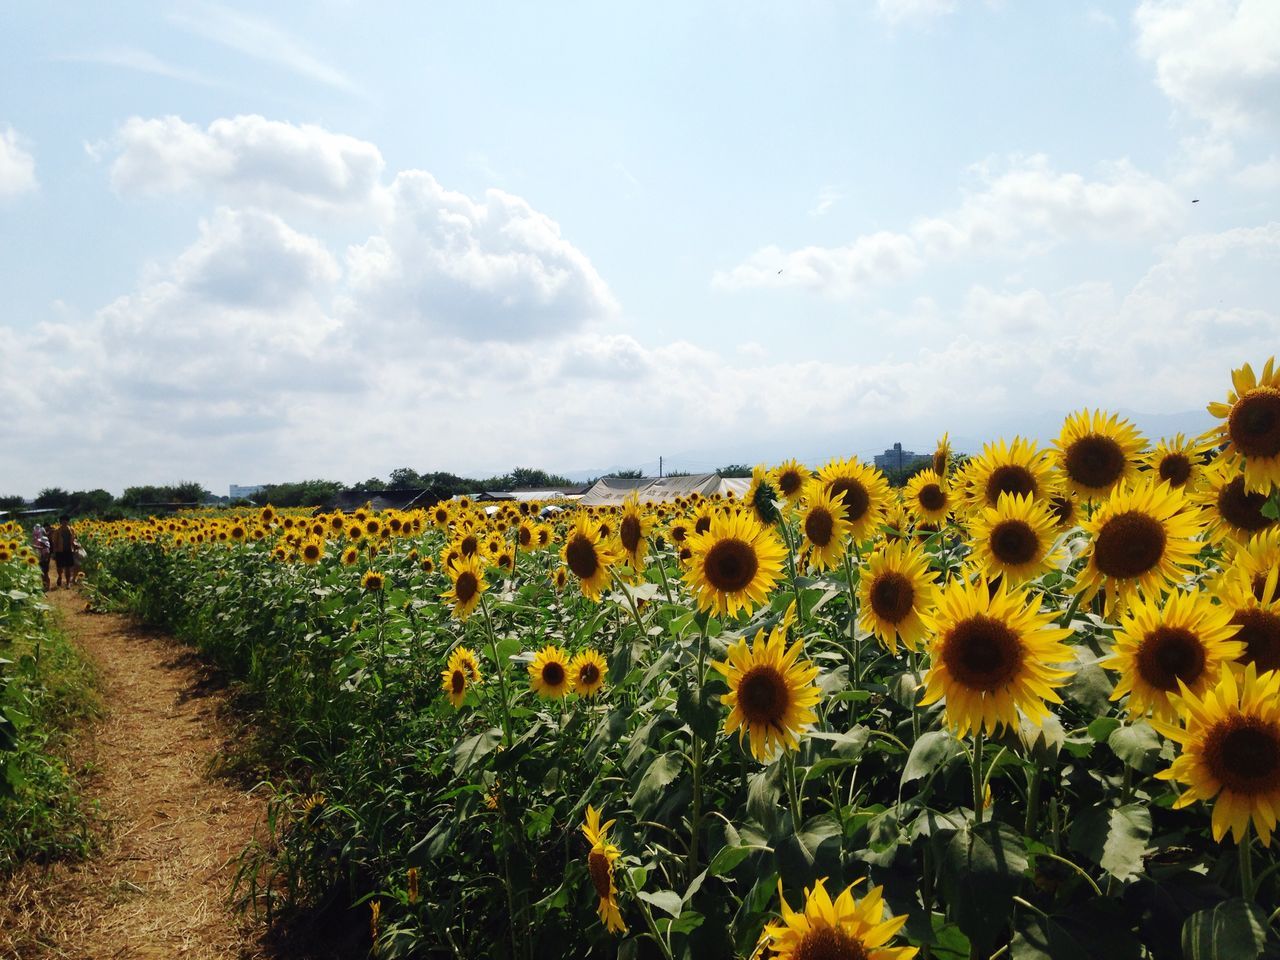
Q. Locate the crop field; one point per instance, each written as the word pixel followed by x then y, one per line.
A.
pixel 1025 706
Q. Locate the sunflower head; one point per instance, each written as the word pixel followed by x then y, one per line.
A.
pixel 1096 451
pixel 373 581
pixel 942 456
pixel 762 496
pixel 789 479
pixel 588 557
pixel 549 674
pixel 927 497
pixel 865 490
pixel 734 565
pixel 600 860
pixel 1252 427
pixel 586 673
pixel 1234 512
pixel 1255 613
pixel 1019 467
pixel 461 671
pixel 1014 540
pixel 466 584
pixel 634 527
pixel 894 594
pixel 312 551
pixel 840 929
pixel 825 529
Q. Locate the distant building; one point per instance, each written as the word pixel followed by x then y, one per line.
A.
pixel 895 458
pixel 238 492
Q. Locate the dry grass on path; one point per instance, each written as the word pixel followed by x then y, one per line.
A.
pixel 170 831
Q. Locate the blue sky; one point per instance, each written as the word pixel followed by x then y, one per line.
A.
pixel 331 238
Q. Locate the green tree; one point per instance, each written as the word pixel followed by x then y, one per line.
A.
pixel 54 497
pixel 735 470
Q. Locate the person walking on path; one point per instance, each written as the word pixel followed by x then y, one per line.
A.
pixel 63 540
pixel 40 541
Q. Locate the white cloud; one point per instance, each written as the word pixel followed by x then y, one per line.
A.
pixel 1217 59
pixel 1263 176
pixel 17 165
pixel 1020 207
pixel 899 11
pixel 140 61
pixel 243 158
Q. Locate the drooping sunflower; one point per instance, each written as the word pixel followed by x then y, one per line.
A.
pixel 1097 451
pixel 1018 467
pixel 549 673
pixel 586 673
pixel 1255 613
pixel 866 494
pixel 825 529
pixel 1231 752
pixel 461 671
pixel 896 589
pixel 1142 538
pixel 1232 510
pixel 1252 414
pixel 762 496
pixel 634 527
pixel 942 456
pixel 1258 559
pixel 588 557
pixel 466 584
pixel 789 478
pixel 1164 646
pixel 993 654
pixel 927 497
pixel 772 691
pixel 600 861
pixel 1014 539
pixel 1179 462
pixel 843 929
pixel 734 565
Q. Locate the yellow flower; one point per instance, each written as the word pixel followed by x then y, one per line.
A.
pixel 312 551
pixel 825 529
pixel 461 671
pixel 993 654
pixel 600 861
pixel 1179 462
pixel 586 673
pixel 588 557
pixel 734 565
pixel 1014 539
pixel 549 674
pixel 372 581
pixel 466 584
pixel 1230 751
pixel 843 929
pixel 896 588
pixel 771 692
pixel 927 497
pixel 1162 647
pixel 1255 612
pixel 789 479
pixel 1252 412
pixel 633 532
pixel 1096 451
pixel 1018 467
pixel 866 494
pixel 1232 510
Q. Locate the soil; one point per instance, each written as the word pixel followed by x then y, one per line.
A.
pixel 170 830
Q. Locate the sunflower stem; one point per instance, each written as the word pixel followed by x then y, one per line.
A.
pixel 695 813
pixel 1032 820
pixel 977 775
pixel 1245 848
pixel 855 668
pixel 785 526
pixel 1071 610
pixel 793 789
pixel 497 666
pixel 648 917
pixel 666 584
pixel 915 710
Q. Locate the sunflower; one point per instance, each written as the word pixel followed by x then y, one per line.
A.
pixel 549 673
pixel 373 581
pixel 1014 539
pixel 586 673
pixel 927 497
pixel 267 516
pixel 762 496
pixel 466 584
pixel 600 861
pixel 826 531
pixel 1142 539
pixel 1017 467
pixel 1231 752
pixel 1179 462
pixel 1063 506
pixel 1097 451
pixel 461 672
pixel 589 559
pixel 843 929
pixel 866 494
pixel 771 692
pixel 633 532
pixel 1162 647
pixel 312 551
pixel 1258 559
pixel 527 535
pixel 992 655
pixel 895 589
pixel 559 577
pixel 1255 613
pixel 789 479
pixel 734 565
pixel 942 455
pixel 1233 511
pixel 1252 412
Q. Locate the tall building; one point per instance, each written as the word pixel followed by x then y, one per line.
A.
pixel 895 458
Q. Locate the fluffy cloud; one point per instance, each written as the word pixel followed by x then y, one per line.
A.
pixel 17 166
pixel 244 158
pixel 1217 59
pixel 1019 207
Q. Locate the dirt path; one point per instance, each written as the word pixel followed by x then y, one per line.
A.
pixel 170 832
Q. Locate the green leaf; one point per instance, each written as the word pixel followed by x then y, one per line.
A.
pixel 1102 728
pixel 729 857
pixel 1096 929
pixel 812 852
pixel 1114 838
pixel 1232 930
pixel 930 754
pixel 700 709
pixel 668 901
pixel 1091 686
pixel 659 774
pixel 763 790
pixel 982 869
pixel 1138 745
pixel 474 749
pixel 1042 741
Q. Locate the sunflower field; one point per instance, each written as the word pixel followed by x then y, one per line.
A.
pixel 1027 706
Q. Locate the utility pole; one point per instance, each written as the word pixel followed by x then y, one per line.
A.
pixel 659 467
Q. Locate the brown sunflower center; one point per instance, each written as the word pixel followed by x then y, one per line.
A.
pixel 526 536
pixel 892 596
pixel 1095 461
pixel 763 696
pixel 601 874
pixel 1243 753
pixel 629 533
pixel 1175 468
pixel 469 545
pixel 1010 478
pixel 1260 633
pixel 553 673
pixel 1129 544
pixel 580 555
pixel 588 674
pixel 311 551
pixel 730 565
pixel 931 497
pixel 828 943
pixel 1064 511
pixel 1254 423
pixel 702 525
pixel 1014 542
pixel 982 653
pixel 940 462
pixel 1241 509
pixel 458 682
pixel 790 482
pixel 1170 654
pixel 466 586
pixel 856 498
pixel 819 525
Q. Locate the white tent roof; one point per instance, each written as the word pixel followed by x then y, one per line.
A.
pixel 609 490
